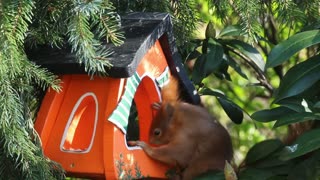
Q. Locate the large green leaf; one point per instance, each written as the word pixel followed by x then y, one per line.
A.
pixel 208 62
pixel 268 115
pixel 214 56
pixel 262 150
pixel 254 174
pixel 222 71
pixel 211 175
pixel 317 105
pixel 234 112
pixel 295 118
pixel 292 45
pixel 231 31
pixel 305 170
pixel 211 92
pixel 299 78
pixel 305 143
pixel 198 73
pixel 296 104
pixel 249 51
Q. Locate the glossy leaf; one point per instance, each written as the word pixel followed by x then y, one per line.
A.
pixel 269 162
pixel 304 170
pixel 305 143
pixel 254 174
pixel 292 45
pixel 198 73
pixel 222 71
pixel 262 150
pixel 316 105
pixel 268 115
pixel 295 118
pixel 296 104
pixel 299 78
pixel 233 111
pixel 214 56
pixel 211 92
pixel 249 51
pixel 231 31
pixel 208 62
pixel 211 175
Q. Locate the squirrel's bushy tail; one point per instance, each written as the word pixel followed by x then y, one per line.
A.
pixel 170 92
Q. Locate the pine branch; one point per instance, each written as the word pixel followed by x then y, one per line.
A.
pixel 222 9
pixel 17 145
pixel 88 49
pixel 185 18
pixel 109 24
pixel 41 76
pixel 50 25
pixel 248 11
pixel 289 14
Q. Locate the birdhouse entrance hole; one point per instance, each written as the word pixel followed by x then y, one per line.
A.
pixel 79 132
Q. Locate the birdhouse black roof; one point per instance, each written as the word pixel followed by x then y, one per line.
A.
pixel 141 31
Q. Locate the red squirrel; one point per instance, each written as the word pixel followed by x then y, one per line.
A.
pixel 186 135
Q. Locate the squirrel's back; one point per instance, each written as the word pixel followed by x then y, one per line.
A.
pixel 170 92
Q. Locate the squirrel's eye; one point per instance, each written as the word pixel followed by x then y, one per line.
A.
pixel 157 132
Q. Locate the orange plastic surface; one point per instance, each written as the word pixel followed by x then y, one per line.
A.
pixel 75 132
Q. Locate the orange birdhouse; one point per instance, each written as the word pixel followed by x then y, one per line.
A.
pixel 86 126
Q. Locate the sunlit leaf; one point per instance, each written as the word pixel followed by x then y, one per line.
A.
pixel 299 78
pixel 305 143
pixel 212 92
pixel 233 111
pixel 295 118
pixel 231 31
pixel 268 115
pixel 208 62
pixel 292 45
pixel 296 104
pixel 262 150
pixel 249 51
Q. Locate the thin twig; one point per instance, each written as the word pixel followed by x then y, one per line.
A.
pixel 261 76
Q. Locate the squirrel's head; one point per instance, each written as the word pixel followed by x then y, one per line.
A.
pixel 161 129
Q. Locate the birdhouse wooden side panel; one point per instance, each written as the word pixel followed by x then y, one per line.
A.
pixel 74 130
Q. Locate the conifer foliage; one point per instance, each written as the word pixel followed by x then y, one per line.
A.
pixel 82 25
pixel 32 23
pixel 256 38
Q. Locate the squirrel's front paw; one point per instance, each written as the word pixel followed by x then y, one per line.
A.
pixel 137 143
pixel 132 143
